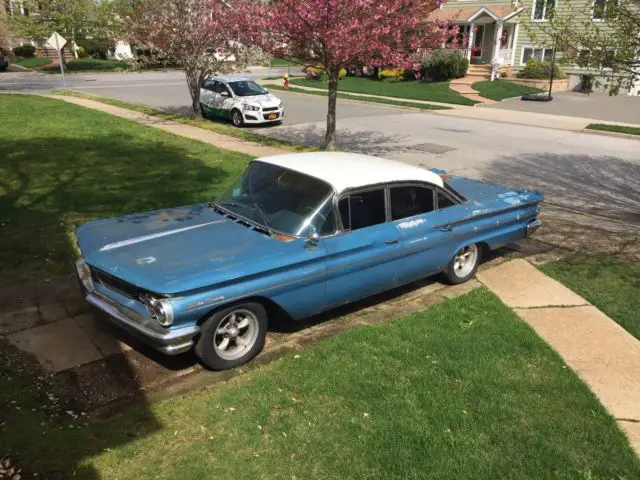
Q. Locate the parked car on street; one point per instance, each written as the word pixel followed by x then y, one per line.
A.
pixel 4 62
pixel 240 100
pixel 295 234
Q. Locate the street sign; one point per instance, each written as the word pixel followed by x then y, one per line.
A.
pixel 57 41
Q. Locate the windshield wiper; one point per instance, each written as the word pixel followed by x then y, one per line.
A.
pixel 258 209
pixel 254 207
pixel 227 203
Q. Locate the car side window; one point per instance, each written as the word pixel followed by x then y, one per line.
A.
pixel 444 201
pixel 209 85
pixel 221 88
pixel 363 209
pixel 409 201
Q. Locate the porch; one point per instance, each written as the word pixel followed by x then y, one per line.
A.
pixel 486 35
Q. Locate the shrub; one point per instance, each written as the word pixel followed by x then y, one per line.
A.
pixel 392 73
pixel 82 52
pixel 540 70
pixel 319 73
pixel 445 64
pixel 25 51
pixel 586 83
pixel 96 48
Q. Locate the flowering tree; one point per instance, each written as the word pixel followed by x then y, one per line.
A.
pixel 196 35
pixel 335 34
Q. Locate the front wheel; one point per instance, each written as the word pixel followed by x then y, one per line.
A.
pixel 232 336
pixel 463 265
pixel 236 118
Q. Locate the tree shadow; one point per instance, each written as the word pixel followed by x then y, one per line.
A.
pixel 596 185
pixel 366 142
pixel 48 186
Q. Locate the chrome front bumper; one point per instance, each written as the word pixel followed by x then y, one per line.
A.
pixel 169 341
pixel 533 226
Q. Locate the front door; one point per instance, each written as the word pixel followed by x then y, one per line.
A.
pixel 478 43
pixel 362 261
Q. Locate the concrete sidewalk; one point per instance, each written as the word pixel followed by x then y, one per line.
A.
pixel 219 140
pixel 600 351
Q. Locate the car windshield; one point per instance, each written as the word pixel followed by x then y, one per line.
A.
pixel 281 200
pixel 246 88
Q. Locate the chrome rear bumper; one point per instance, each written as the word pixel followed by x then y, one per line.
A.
pixel 533 226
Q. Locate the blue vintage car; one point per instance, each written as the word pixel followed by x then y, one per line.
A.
pixel 298 233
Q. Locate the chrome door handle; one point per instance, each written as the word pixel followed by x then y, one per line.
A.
pixel 446 228
pixel 391 242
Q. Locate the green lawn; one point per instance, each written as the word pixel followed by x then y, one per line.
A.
pixel 280 62
pixel 465 390
pixel 63 165
pixel 614 128
pixel 91 65
pixel 423 106
pixel 611 285
pixel 33 62
pixel 410 90
pixel 501 89
pixel 213 125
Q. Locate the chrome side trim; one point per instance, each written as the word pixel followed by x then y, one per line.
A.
pixel 487 214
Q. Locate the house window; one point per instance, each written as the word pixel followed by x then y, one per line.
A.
pixel 535 53
pixel 542 9
pixel 598 9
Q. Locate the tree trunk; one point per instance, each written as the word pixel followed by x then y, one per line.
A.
pixel 193 83
pixel 330 136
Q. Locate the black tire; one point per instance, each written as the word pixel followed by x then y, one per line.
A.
pixel 205 347
pixel 236 118
pixel 456 275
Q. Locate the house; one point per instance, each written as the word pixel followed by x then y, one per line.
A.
pixel 497 34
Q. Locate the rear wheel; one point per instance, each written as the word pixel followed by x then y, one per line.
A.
pixel 236 118
pixel 232 336
pixel 464 264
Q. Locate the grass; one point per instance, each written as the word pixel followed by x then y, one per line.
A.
pixel 606 282
pixel 63 165
pixel 501 89
pixel 614 128
pixel 34 62
pixel 281 62
pixel 91 65
pixel 465 390
pixel 410 90
pixel 423 106
pixel 214 126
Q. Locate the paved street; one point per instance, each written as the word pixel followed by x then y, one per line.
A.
pixel 578 173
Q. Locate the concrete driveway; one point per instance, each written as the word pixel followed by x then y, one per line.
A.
pixel 600 106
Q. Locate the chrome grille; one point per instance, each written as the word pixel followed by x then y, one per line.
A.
pixel 113 283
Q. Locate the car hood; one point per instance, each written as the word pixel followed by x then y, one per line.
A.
pixel 267 100
pixel 178 250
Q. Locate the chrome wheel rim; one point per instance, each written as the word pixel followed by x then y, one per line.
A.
pixel 237 119
pixel 236 334
pixel 465 261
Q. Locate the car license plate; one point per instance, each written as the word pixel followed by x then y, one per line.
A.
pixel 272 116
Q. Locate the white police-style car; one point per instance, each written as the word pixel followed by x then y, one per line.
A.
pixel 239 99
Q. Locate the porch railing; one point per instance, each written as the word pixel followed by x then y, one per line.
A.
pixel 505 54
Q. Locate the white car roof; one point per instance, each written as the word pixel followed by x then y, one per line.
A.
pixel 230 78
pixel 344 171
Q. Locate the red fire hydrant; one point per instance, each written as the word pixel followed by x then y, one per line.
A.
pixel 285 81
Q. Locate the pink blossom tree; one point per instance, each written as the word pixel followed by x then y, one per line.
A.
pixel 336 34
pixel 199 36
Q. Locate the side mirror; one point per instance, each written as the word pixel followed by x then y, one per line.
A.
pixel 312 239
pixel 266 90
pixel 224 94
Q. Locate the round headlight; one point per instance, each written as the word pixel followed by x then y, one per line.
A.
pixel 159 309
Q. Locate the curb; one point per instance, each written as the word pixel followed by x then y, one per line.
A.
pixel 606 133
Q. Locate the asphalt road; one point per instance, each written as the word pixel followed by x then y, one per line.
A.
pixel 577 172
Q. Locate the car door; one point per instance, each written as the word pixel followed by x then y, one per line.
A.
pixel 223 100
pixel 426 238
pixel 207 92
pixel 361 261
